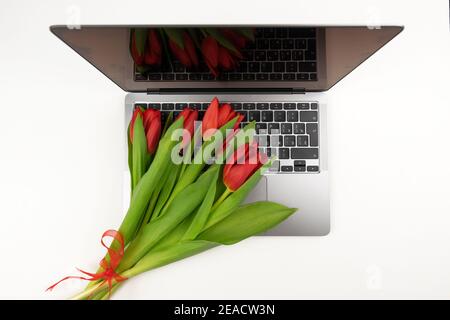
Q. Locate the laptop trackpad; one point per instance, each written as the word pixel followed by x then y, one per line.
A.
pixel 259 193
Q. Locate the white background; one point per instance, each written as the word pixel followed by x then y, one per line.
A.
pixel 61 163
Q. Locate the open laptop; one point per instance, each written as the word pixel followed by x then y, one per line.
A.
pixel 280 83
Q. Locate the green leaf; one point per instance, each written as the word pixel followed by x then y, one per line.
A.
pixel 166 189
pixel 140 156
pixel 224 42
pixel 169 121
pixel 176 35
pixel 246 221
pixel 236 198
pixel 140 36
pixel 247 32
pixel 182 205
pixel 202 214
pixel 147 183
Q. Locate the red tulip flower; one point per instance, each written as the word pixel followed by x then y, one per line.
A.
pixel 189 115
pixel 136 49
pixel 241 165
pixel 152 126
pixel 210 51
pixel 153 50
pixel 187 55
pixel 236 38
pixel 216 116
pixel 226 61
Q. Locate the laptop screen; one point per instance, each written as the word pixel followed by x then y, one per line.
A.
pixel 143 58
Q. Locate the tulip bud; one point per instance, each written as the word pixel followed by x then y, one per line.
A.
pixel 210 51
pixel 137 112
pixel 153 50
pixel 226 61
pixel 152 125
pixel 241 165
pixel 216 116
pixel 190 115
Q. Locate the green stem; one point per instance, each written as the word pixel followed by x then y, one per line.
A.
pixel 224 195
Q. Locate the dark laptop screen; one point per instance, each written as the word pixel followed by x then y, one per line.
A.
pixel 144 58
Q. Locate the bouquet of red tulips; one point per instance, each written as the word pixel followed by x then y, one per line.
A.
pixel 189 180
pixel 219 48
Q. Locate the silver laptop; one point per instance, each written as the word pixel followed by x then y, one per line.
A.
pixel 280 82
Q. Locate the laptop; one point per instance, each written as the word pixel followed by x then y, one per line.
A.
pixel 280 81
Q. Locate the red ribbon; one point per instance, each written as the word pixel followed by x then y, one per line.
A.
pixel 109 267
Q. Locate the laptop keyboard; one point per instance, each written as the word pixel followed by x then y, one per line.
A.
pixel 277 54
pixel 288 130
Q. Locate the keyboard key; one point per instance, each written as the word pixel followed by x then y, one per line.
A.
pixel 168 106
pixel 262 106
pixel 266 66
pixel 262 76
pixel 278 66
pixel 300 163
pixel 276 76
pixel 275 166
pixel 304 153
pixel 283 153
pixel 168 76
pixel 180 106
pixel 254 66
pixel 235 77
pixel 313 76
pixel 276 106
pixel 275 44
pixel 314 106
pixel 248 54
pixel 281 32
pixel 288 44
pixel 313 168
pixel 302 76
pixel 286 56
pixel 308 116
pixel 291 66
pixel 272 55
pixel 297 55
pixel 236 105
pixel 205 105
pixel 299 128
pixel 140 105
pixel 197 106
pixel 260 56
pixel 310 54
pixel 154 76
pixel 274 128
pixel 242 67
pixel 289 76
pixel 156 106
pixel 286 128
pixel 302 141
pixel 276 141
pixel 269 33
pixel 307 66
pixel 267 116
pixel 249 106
pixel 289 141
pixel 140 77
pixel 261 128
pixel 195 76
pixel 289 106
pixel 248 76
pixel 181 76
pixel 311 44
pixel 263 141
pixel 280 116
pixel 207 76
pixel 300 43
pixel 287 168
pixel 303 106
pixel 292 116
pixel 262 44
pixel 312 130
pixel 254 116
pixel 299 168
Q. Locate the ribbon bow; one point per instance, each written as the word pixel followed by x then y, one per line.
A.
pixel 108 273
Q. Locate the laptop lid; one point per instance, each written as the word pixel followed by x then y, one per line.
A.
pixel 269 58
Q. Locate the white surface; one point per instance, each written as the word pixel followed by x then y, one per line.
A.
pixel 61 163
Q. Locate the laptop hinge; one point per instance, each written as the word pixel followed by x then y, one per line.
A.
pixel 225 90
